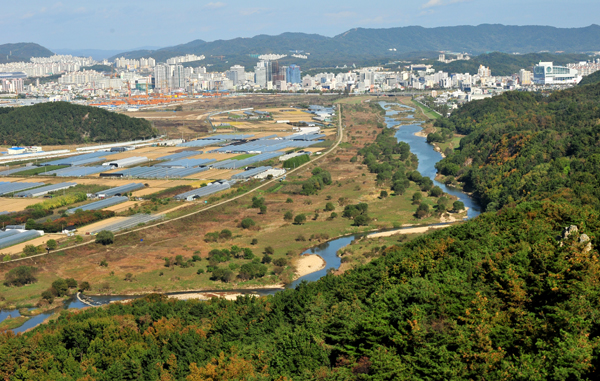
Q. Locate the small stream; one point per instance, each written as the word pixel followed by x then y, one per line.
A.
pixel 428 157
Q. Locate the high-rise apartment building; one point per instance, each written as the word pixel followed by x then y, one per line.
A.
pixel 294 74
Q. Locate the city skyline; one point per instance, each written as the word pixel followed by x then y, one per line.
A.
pixel 68 24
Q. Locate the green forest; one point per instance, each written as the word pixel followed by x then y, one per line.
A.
pixel 527 146
pixel 511 294
pixel 57 123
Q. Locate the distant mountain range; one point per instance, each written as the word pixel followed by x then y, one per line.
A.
pixel 22 51
pixel 358 45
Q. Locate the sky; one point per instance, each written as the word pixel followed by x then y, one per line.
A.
pixel 129 24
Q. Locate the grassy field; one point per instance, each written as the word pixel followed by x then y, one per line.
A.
pixel 142 253
pixel 242 157
pixel 36 171
pixel 426 110
pixel 13 323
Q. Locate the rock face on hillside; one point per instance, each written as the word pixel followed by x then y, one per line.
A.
pixel 583 239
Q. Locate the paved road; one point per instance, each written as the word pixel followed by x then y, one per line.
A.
pixel 333 147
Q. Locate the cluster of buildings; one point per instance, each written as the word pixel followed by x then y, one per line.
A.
pixel 145 75
pixel 45 66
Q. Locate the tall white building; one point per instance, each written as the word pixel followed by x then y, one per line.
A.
pixel 545 73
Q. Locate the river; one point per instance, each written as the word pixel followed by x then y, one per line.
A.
pixel 428 157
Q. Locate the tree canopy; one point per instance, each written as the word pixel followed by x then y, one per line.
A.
pixel 56 123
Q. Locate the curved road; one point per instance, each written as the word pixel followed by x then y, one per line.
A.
pixel 335 145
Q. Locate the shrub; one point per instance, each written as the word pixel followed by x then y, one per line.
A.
pixel 280 262
pixel 71 283
pixel 47 295
pixel 300 219
pixel 254 241
pixel 333 215
pixel 436 191
pixel 300 238
pixel 263 209
pixel 20 276
pixel 30 250
pixel 247 223
pixel 52 244
pixel 103 263
pixel 105 237
pixel 417 197
pixel 288 216
pixel 266 259
pixel 252 270
pixel 200 271
pixel 329 207
pixel 211 237
pixel 362 220
pixel 196 258
pixel 289 201
pixel 225 234
pixel 224 275
pixel 60 287
pixel 383 194
pixel 457 206
pixel 84 286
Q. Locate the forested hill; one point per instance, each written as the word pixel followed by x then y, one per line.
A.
pixel 497 298
pixel 590 79
pixel 57 123
pixel 525 146
pixel 393 43
pixel 22 51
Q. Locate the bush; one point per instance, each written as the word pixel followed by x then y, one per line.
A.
pixel 267 259
pixel 417 197
pixel 269 250
pixel 225 234
pixel 20 276
pixel 105 237
pixel 71 283
pixel 252 270
pixel 280 262
pixel 333 215
pixel 254 241
pixel 300 238
pixel 300 219
pixel 288 216
pixel 52 244
pixel 47 295
pixel 295 162
pixel 211 237
pixel 436 191
pixel 103 263
pixel 457 206
pixel 60 287
pixel 329 207
pixel 289 201
pixel 383 194
pixel 84 286
pixel 247 223
pixel 362 220
pixel 200 271
pixel 224 275
pixel 30 250
pixel 263 209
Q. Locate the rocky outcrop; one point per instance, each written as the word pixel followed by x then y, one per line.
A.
pixel 583 239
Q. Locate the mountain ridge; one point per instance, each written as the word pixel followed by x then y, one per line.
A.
pixel 359 43
pixel 22 51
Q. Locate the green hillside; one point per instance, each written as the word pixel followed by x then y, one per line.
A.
pixel 22 51
pixel 590 79
pixel 499 297
pixel 524 146
pixel 369 44
pixel 65 123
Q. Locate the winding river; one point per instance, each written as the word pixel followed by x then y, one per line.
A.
pixel 428 157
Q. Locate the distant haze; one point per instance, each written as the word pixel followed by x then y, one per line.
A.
pixel 117 25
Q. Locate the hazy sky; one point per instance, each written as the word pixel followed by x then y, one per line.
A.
pixel 127 24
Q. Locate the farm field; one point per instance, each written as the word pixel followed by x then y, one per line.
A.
pixel 143 253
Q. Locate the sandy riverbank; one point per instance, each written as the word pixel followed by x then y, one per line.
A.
pixel 208 296
pixel 415 230
pixel 308 264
